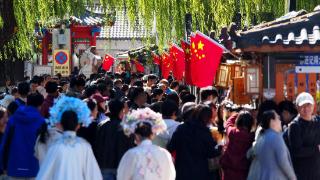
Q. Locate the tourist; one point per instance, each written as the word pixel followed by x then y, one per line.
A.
pixel 111 142
pixel 304 139
pixel 41 86
pixel 17 147
pixel 194 146
pixel 288 112
pixel 89 133
pixel 169 111
pixel 102 109
pixel 52 93
pixel 270 155
pixel 209 94
pixel 156 95
pixel 69 157
pixel 138 97
pixel 146 161
pixel 76 87
pixel 34 83
pixel 23 91
pixel 3 121
pixel 234 163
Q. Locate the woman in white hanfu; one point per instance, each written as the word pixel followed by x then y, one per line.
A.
pixel 146 161
pixel 69 157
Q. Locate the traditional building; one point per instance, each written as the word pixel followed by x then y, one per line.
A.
pixel 285 53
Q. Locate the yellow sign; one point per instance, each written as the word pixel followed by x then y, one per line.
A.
pixel 61 62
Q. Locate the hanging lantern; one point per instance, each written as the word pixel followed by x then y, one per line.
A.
pixel 253 80
pixel 222 76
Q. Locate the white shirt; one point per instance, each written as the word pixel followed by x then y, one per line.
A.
pixel 41 149
pixel 70 157
pixel 163 138
pixel 146 162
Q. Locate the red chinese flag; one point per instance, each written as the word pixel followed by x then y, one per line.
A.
pixel 156 58
pixel 107 62
pixel 177 55
pixel 139 66
pixel 187 54
pixel 166 65
pixel 205 59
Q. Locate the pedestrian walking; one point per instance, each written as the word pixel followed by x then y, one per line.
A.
pixel 146 161
pixel 111 142
pixel 234 163
pixel 194 146
pixel 304 139
pixel 270 155
pixel 70 157
pixel 17 147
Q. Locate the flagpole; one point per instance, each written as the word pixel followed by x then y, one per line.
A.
pixel 228 51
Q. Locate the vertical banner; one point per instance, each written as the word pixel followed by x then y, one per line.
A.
pixel 290 87
pixel 279 87
pixel 239 94
pixel 301 82
pixel 61 62
pixel 312 84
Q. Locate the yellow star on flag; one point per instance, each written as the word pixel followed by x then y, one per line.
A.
pixel 200 45
pixel 193 45
pixel 187 51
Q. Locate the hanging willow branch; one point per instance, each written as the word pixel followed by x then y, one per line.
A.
pixel 1 22
pixel 207 15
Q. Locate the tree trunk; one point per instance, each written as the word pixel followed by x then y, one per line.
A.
pixel 9 22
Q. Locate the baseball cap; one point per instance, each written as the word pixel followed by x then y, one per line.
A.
pixel 99 98
pixel 304 98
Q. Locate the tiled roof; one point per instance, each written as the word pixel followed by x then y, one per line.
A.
pixel 93 16
pixel 293 29
pixel 122 29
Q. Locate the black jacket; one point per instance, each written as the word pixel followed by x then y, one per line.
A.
pixel 303 141
pixel 89 133
pixel 193 145
pixel 111 144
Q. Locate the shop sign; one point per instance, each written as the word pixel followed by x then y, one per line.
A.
pixel 309 60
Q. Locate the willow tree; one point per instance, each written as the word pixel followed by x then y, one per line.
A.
pixel 16 32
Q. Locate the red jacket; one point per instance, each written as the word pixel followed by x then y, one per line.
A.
pixel 234 162
pixel 47 104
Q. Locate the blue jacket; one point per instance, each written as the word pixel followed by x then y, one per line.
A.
pixel 22 130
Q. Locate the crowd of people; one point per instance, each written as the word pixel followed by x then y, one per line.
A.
pixel 139 127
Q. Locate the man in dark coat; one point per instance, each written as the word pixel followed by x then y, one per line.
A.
pixel 111 142
pixel 304 140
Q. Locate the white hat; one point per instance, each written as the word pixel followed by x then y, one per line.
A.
pixel 304 98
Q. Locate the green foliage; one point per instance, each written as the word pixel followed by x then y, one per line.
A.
pixel 207 15
pixel 1 22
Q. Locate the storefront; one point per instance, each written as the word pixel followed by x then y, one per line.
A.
pixel 287 54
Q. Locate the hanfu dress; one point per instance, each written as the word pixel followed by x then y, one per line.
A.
pixel 69 158
pixel 146 162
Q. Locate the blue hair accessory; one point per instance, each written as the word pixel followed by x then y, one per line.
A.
pixel 70 104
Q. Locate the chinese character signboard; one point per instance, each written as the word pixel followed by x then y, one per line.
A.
pixel 61 62
pixel 309 60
